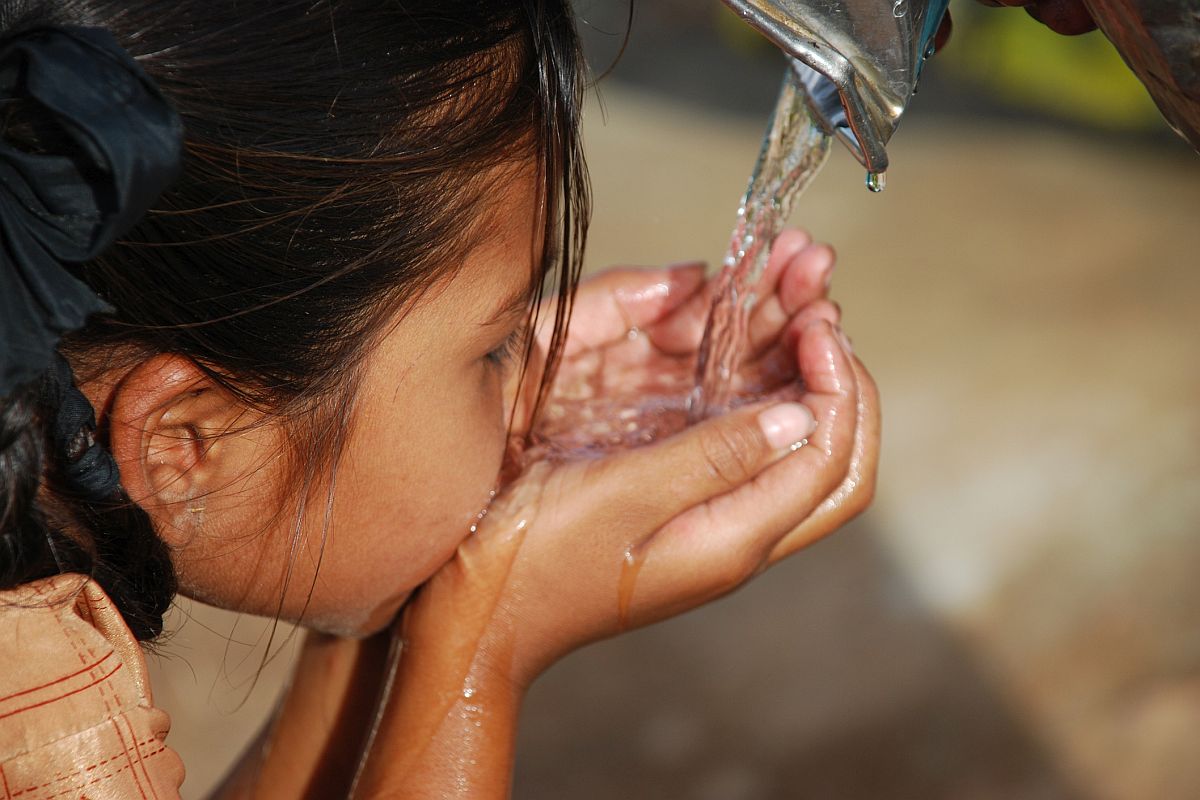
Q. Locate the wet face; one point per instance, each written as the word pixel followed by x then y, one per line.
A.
pixel 425 445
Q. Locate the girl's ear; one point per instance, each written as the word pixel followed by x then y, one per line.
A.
pixel 166 424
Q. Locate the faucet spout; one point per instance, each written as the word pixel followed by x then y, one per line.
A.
pixel 858 59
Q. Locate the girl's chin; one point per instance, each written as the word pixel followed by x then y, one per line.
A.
pixel 354 624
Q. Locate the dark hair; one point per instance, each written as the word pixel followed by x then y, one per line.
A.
pixel 333 159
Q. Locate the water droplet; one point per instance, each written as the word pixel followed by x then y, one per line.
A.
pixel 631 565
pixel 876 181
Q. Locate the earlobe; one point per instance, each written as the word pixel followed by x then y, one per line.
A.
pixel 159 416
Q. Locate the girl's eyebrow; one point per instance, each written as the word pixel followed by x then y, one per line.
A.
pixel 516 302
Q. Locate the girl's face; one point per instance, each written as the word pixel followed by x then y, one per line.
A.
pixel 425 445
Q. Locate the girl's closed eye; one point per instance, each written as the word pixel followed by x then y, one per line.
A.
pixel 507 351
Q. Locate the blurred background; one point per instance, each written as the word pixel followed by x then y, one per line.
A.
pixel 1018 616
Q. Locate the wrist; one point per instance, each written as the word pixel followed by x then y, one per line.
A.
pixel 502 665
pixel 468 618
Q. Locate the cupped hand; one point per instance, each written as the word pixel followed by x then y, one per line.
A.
pixel 628 367
pixel 580 548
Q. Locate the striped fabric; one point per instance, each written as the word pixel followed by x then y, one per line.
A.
pixel 77 718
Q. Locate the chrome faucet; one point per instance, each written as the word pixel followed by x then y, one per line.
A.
pixel 859 60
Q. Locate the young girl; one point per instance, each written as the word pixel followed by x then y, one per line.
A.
pixel 306 363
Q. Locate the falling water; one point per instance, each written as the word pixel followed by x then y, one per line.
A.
pixel 793 151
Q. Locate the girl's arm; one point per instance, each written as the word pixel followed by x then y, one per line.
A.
pixel 441 733
pixel 311 745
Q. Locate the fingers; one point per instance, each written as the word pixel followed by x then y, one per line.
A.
pixel 857 491
pixel 1068 17
pixel 616 301
pixel 814 312
pixel 690 468
pixel 806 279
pixel 730 538
pixel 679 332
pixel 671 305
pixel 787 246
pixel 782 361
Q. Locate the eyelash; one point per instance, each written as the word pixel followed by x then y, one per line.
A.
pixel 507 350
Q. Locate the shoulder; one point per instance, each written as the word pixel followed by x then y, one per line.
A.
pixel 76 710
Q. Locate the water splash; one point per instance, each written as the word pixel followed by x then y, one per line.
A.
pixel 794 150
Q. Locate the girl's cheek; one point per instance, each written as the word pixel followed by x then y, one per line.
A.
pixel 481 443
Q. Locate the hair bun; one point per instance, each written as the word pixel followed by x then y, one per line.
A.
pixel 57 208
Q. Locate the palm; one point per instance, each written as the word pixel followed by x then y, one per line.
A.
pixel 629 365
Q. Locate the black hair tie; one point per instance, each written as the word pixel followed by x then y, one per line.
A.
pixel 58 208
pixel 86 466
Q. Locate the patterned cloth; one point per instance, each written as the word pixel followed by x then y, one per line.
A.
pixel 77 719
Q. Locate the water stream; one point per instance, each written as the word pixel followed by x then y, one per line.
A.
pixel 793 152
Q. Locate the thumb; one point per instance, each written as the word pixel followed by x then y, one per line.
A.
pixel 706 460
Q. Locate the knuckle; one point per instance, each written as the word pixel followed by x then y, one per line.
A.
pixel 730 454
pixel 752 561
pixel 856 504
pixel 861 496
pixel 738 568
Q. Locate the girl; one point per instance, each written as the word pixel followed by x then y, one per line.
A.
pixel 306 363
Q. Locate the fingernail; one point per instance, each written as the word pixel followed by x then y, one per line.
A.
pixel 785 424
pixel 827 278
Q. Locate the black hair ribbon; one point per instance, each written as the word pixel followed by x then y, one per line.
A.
pixel 122 148
pixel 84 464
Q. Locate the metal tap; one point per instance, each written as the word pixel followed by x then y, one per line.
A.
pixel 859 59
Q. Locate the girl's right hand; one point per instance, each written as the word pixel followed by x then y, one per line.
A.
pixel 577 551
